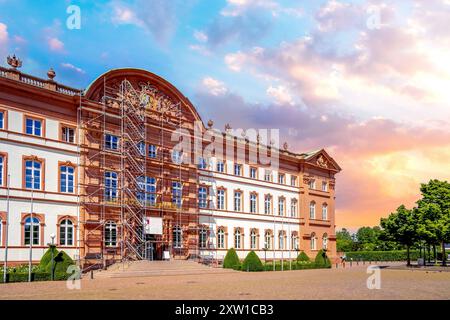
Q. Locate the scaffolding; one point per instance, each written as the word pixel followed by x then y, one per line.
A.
pixel 122 183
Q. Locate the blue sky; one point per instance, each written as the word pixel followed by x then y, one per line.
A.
pixel 366 79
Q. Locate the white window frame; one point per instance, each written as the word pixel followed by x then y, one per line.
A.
pixel 237 201
pixel 111 234
pixel 202 197
pixel 253 202
pixel 312 210
pixel 221 199
pixel 64 227
pixel 64 172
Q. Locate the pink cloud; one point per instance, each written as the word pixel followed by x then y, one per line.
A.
pixel 55 44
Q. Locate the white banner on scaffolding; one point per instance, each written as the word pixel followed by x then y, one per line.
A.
pixel 153 225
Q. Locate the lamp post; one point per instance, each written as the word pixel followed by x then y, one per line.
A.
pixel 52 248
pixel 265 257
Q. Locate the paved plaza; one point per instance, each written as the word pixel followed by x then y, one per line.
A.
pixel 189 280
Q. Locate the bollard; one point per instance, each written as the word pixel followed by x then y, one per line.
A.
pixel 336 265
pixel 92 274
pixel 351 263
pixel 357 262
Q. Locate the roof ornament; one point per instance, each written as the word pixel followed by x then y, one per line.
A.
pixel 14 62
pixel 210 124
pixel 285 146
pixel 51 74
pixel 227 127
pixel 321 162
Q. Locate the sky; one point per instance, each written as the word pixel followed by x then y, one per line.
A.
pixel 367 80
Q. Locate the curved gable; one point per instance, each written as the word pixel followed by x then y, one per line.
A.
pixel 138 78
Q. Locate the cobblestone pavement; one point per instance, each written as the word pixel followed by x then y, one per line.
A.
pixel 349 283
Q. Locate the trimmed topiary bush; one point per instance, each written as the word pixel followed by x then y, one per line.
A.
pixel 231 260
pixel 303 257
pixel 252 263
pixel 61 262
pixel 47 257
pixel 322 260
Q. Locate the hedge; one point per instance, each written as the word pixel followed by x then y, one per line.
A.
pixel 397 255
pixel 294 265
pixel 303 257
pixel 322 259
pixel 252 263
pixel 231 259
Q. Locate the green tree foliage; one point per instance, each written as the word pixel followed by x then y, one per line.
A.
pixel 322 260
pixel 434 213
pixel 344 241
pixel 231 259
pixel 60 264
pixel 252 263
pixel 402 226
pixel 47 257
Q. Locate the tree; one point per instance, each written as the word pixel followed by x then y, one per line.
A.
pixel 344 241
pixel 402 226
pixel 368 238
pixel 434 212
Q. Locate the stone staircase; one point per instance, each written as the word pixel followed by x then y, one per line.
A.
pixel 157 268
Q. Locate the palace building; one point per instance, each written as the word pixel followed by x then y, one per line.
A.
pixel 99 173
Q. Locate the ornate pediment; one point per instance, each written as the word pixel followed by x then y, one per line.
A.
pixel 321 159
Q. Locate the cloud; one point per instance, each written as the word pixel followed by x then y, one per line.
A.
pixel 157 16
pixel 70 66
pixel 214 87
pixel 55 44
pixel 200 36
pixel 4 39
pixel 280 95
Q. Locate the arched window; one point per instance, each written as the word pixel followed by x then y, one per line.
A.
pixel 221 238
pixel 313 241
pixel 312 210
pixel 237 239
pixel 294 208
pixel 177 237
pixel 324 211
pixel 203 238
pixel 325 241
pixel 1 227
pixel 33 237
pixel 268 240
pixel 66 233
pixel 267 204
pixel 281 240
pixel 294 241
pixel 111 234
pixel 253 239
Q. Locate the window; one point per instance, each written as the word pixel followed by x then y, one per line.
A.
pixel 237 201
pixel 238 169
pixel 202 197
pixel 267 175
pixel 147 193
pixel 253 173
pixel 152 151
pixel 281 206
pixel 110 234
pixel 67 180
pixel 111 183
pixel 141 147
pixel 253 202
pixel 32 235
pixel 177 237
pixel 281 240
pixel 294 241
pixel 203 235
pixel 220 167
pixel 66 233
pixel 2 119
pixel 267 240
pixel 267 204
pixel 313 241
pixel 324 211
pixel 312 210
pixel 1 224
pixel 202 165
pixel 177 191
pixel 33 173
pixel 221 199
pixel 221 239
pixel 33 127
pixel 111 142
pixel 177 157
pixel 312 184
pixel 293 181
pixel 237 239
pixel 324 186
pixel 253 239
pixel 68 134
pixel 2 170
pixel 325 241
pixel 293 208
pixel 281 178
